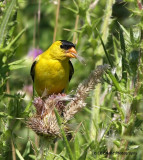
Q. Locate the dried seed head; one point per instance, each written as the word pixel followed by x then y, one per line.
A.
pixel 82 92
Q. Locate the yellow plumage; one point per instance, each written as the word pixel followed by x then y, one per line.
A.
pixel 52 75
pixel 52 70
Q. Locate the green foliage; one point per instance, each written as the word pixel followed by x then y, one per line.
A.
pixel 5 20
pixel 64 136
pixel 111 125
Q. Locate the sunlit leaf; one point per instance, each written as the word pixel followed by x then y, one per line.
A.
pixel 19 154
pixel 5 20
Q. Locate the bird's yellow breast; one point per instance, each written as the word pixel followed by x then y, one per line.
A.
pixel 51 76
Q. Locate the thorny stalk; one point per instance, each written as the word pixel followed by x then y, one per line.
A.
pixel 13 150
pixel 56 23
pixel 12 145
pixel 75 28
pixel 137 86
pixel 97 92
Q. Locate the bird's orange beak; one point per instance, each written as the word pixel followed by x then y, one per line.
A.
pixel 71 53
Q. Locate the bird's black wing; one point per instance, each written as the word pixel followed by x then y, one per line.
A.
pixel 71 70
pixel 32 71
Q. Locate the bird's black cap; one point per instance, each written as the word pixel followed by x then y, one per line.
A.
pixel 66 44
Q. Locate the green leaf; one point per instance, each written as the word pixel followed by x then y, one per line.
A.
pixel 84 154
pixel 64 158
pixel 124 29
pixel 3 114
pixel 106 53
pixel 115 82
pixel 73 10
pixel 9 95
pixel 107 109
pixel 17 62
pixel 14 67
pixel 15 39
pixel 32 156
pixel 76 5
pixel 117 143
pixel 123 49
pixel 76 147
pixel 120 110
pixel 19 154
pixel 27 149
pixel 27 107
pixel 131 35
pixel 59 120
pixel 5 20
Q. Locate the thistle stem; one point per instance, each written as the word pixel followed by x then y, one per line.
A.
pixel 75 28
pixel 56 23
pixel 97 92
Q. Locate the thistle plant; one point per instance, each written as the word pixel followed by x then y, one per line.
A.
pixel 45 122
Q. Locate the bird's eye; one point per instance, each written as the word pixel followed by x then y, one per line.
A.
pixel 61 46
pixel 66 46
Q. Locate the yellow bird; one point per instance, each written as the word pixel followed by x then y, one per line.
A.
pixel 52 70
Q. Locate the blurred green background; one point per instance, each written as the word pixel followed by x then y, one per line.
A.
pixel 26 28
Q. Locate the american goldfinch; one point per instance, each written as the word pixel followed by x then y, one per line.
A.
pixel 52 70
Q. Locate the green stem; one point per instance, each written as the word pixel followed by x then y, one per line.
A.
pixel 123 50
pixel 96 97
pixel 14 41
pixel 64 135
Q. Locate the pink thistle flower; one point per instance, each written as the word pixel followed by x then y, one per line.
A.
pixel 33 53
